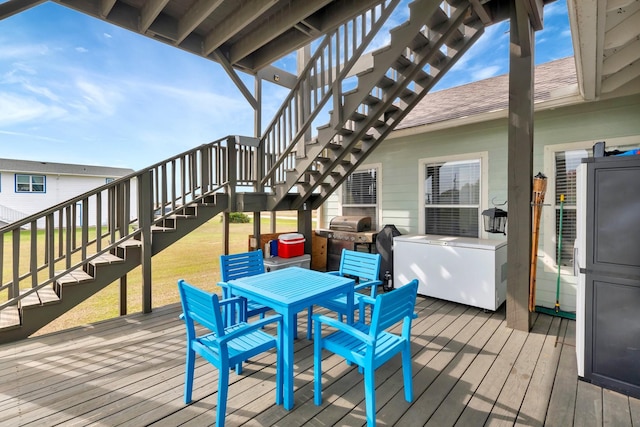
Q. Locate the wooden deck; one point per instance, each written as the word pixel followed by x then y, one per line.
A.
pixel 469 370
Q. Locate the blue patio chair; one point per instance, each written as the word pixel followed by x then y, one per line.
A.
pixel 370 345
pixel 236 266
pixel 222 346
pixel 363 267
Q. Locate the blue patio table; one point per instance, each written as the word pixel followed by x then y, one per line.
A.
pixel 289 291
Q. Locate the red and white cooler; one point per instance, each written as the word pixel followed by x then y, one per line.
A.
pixel 290 245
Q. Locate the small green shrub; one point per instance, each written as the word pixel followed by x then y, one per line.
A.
pixel 237 218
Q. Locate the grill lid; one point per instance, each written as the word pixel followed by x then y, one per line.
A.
pixel 354 224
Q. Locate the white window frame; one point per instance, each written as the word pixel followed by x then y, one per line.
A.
pixel 363 168
pixel 547 252
pixel 31 191
pixel 483 156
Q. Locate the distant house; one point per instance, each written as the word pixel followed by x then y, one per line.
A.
pixel 27 187
pixel 446 162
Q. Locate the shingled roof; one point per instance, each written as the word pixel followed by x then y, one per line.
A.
pixel 552 79
pixel 28 166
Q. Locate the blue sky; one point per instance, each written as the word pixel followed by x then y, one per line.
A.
pixel 74 89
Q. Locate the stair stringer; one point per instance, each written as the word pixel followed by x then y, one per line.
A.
pixel 345 149
pixel 357 148
pixel 420 12
pixel 78 284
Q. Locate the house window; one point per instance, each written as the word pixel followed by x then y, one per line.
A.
pixel 30 183
pixel 451 196
pixel 108 180
pixel 360 194
pixel 564 160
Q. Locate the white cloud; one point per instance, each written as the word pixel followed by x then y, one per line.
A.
pixel 17 109
pixel 554 9
pixel 82 49
pixel 107 35
pixel 486 72
pixel 101 99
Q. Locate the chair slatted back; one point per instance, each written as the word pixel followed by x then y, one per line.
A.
pixel 236 266
pixel 395 306
pixel 362 265
pixel 202 307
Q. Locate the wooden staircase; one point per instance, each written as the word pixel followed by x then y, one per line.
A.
pixel 181 201
pixel 122 222
pixel 420 52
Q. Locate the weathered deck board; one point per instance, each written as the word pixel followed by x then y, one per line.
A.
pixel 468 369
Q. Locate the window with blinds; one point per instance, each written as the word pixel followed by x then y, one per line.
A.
pixel 452 198
pixel 566 164
pixel 360 195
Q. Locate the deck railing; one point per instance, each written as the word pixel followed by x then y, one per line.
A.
pixel 320 81
pixel 38 250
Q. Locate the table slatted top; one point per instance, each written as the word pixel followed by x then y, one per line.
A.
pixel 290 286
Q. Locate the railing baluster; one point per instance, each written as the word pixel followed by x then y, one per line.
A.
pixel 99 221
pixel 51 258
pixel 14 290
pixel 68 237
pixel 33 253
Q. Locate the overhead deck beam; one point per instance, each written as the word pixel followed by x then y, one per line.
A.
pixel 534 9
pixel 150 12
pixel 106 6
pixel 235 22
pixel 12 7
pixel 332 16
pixel 281 22
pixel 194 17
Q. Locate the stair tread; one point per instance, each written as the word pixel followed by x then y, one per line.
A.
pixel 75 276
pixel 106 259
pixel 48 296
pixel 130 242
pixel 30 300
pixel 161 229
pixel 9 317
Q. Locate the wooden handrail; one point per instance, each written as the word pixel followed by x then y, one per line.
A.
pixel 60 239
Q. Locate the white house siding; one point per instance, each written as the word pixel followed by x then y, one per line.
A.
pixel 591 122
pixel 59 188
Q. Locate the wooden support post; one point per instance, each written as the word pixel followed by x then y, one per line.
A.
pixel 520 167
pixel 225 232
pixel 305 227
pixel 258 164
pixel 145 203
pixel 123 295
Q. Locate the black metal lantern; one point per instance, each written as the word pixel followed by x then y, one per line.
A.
pixel 495 220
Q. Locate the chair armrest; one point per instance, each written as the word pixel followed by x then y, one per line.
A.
pixel 364 299
pixel 367 284
pixel 232 300
pixel 248 327
pixel 225 289
pixel 343 327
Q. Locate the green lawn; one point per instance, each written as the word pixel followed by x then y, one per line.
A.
pixel 193 258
